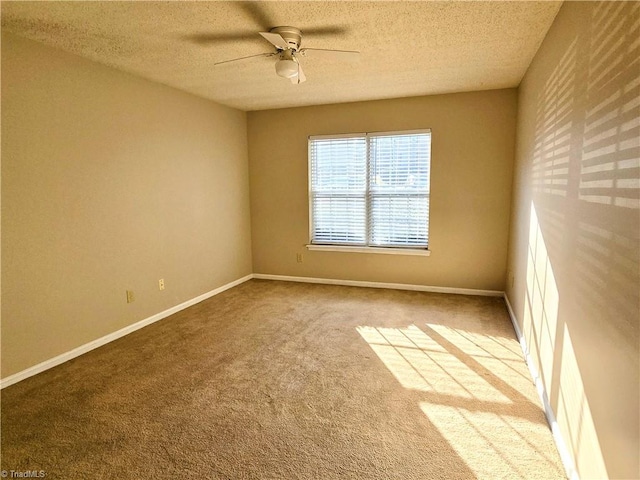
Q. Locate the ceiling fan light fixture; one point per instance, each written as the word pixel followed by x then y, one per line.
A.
pixel 287 68
pixel 287 41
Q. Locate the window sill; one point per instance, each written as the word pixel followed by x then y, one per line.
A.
pixel 383 250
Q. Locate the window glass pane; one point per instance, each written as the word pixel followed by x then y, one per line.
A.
pixel 400 163
pixel 371 189
pixel 399 220
pixel 339 219
pixel 339 165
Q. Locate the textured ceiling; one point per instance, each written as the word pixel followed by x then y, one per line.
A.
pixel 407 48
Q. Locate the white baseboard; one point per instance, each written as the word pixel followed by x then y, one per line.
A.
pixel 395 286
pixel 87 347
pixel 561 445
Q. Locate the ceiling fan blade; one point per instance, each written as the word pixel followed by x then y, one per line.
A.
pixel 300 77
pixel 275 39
pixel 328 52
pixel 206 38
pixel 243 58
pixel 256 13
pixel 320 31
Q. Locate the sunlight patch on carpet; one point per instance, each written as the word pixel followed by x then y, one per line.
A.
pixel 476 392
pixel 420 362
pixel 492 445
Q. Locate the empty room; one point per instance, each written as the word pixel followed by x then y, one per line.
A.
pixel 320 240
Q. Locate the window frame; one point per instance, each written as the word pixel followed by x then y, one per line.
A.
pixel 338 247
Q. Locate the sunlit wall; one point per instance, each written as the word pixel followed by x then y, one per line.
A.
pixel 573 268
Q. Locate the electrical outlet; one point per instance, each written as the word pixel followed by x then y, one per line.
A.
pixel 161 284
pixel 299 257
pixel 130 297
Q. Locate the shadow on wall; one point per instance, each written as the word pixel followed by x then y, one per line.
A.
pixel 582 286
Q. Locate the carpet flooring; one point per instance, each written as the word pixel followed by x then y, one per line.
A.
pixel 278 380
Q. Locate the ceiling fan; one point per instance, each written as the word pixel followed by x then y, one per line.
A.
pixel 287 41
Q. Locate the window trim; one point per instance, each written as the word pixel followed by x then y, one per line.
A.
pixel 336 247
pixel 422 252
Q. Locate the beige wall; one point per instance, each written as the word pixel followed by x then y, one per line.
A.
pixel 110 182
pixel 574 245
pixel 473 137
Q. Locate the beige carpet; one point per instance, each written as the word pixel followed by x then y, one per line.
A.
pixel 283 380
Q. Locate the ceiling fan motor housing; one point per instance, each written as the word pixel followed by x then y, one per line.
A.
pixel 287 41
pixel 292 36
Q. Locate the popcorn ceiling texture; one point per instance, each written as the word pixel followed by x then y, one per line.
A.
pixel 407 48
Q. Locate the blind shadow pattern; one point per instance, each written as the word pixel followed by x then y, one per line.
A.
pixel 473 387
pixel 550 166
pixel 585 233
pixel 281 380
pixel 609 167
pixel 607 254
pixel 607 224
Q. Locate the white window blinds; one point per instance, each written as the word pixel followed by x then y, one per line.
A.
pixel 370 189
pixel 339 190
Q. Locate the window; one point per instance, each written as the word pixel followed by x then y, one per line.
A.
pixel 370 190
